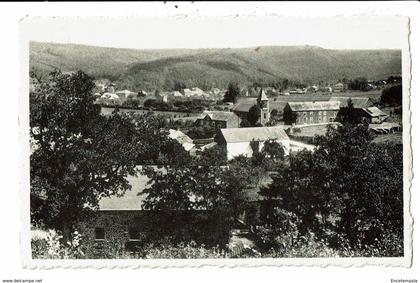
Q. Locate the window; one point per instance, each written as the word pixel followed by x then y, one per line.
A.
pixel 133 234
pixel 331 119
pixel 265 115
pixel 99 233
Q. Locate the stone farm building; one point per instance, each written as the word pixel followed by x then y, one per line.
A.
pixel 120 222
pixel 299 113
pixel 237 141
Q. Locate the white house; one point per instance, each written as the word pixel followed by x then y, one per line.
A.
pixel 237 141
pixel 182 138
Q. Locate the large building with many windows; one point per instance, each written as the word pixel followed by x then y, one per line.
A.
pixel 300 113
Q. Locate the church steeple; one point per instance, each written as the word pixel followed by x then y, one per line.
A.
pixel 263 103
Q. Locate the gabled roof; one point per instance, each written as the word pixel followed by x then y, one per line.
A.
pixel 258 134
pixel 374 112
pixel 314 106
pixel 243 106
pixel 179 136
pixel 262 96
pixel 220 115
pixel 358 102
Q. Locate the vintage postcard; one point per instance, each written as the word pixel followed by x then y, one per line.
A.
pixel 231 141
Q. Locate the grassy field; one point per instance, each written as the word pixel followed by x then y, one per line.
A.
pixel 373 94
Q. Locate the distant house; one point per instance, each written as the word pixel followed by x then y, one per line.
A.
pixel 110 99
pixel 177 94
pixel 373 115
pixel 194 92
pixel 182 138
pixel 298 113
pixel 326 89
pixel 338 87
pixel 121 222
pixel 313 88
pixel 216 92
pixel 218 119
pixel 237 141
pixel 110 88
pixel 125 94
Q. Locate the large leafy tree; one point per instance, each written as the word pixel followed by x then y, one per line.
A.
pixel 78 155
pixel 232 93
pixel 348 191
pixel 218 192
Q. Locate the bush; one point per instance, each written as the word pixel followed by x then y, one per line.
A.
pixel 52 247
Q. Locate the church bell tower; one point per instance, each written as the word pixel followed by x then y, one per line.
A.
pixel 263 103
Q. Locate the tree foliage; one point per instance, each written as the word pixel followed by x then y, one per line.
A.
pixel 253 115
pixel 232 93
pixel 80 156
pixel 348 191
pixel 77 156
pixel 392 96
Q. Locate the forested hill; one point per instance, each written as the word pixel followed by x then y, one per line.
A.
pixel 150 69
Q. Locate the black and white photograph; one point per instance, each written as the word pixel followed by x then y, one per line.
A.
pixel 272 150
pixel 191 135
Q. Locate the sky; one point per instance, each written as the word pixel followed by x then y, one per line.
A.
pixel 180 31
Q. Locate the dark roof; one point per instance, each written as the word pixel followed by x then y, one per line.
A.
pixel 315 105
pixel 258 134
pixel 358 102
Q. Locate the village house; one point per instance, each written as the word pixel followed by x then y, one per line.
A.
pixel 109 98
pixel 194 92
pixel 218 119
pixel 373 115
pixel 125 94
pixel 237 141
pixel 297 113
pixel 362 110
pixel 338 87
pixel 110 88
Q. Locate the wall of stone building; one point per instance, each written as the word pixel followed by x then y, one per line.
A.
pixel 152 227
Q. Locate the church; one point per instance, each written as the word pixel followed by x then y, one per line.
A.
pixel 242 108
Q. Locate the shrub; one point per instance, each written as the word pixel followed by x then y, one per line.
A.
pixel 52 247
